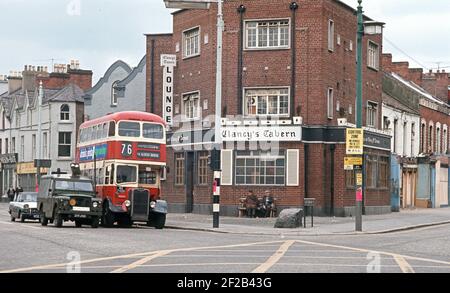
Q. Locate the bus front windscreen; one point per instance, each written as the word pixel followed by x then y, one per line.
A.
pixel 126 174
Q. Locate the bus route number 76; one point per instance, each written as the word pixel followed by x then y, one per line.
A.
pixel 127 149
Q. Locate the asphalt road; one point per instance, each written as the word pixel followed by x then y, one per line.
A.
pixel 28 247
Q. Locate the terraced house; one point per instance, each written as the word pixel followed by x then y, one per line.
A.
pixel 289 64
pixel 62 113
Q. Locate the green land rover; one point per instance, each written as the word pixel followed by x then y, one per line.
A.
pixel 68 198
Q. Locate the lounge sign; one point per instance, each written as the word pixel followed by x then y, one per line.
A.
pixel 169 62
pixel 262 133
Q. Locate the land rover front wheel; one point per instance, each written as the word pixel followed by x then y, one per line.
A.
pixel 95 222
pixel 59 221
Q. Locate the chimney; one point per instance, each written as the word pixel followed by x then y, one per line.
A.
pixel 29 78
pixel 14 81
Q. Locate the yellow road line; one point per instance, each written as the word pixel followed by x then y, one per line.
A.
pixel 140 262
pixel 404 265
pixel 274 258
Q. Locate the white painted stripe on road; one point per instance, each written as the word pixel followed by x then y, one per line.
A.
pixel 166 252
pixel 274 258
pixel 371 251
pixel 19 225
pixel 404 265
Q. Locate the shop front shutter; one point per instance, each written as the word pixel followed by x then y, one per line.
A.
pixel 227 167
pixel 292 168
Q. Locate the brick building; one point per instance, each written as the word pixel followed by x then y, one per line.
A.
pixel 289 79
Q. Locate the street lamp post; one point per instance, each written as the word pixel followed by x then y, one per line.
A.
pixel 359 111
pixel 369 28
pixel 205 4
pixel 39 135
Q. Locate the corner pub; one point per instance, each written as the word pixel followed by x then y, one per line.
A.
pixel 289 73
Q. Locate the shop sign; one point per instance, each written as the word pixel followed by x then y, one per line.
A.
pixel 263 133
pixel 9 159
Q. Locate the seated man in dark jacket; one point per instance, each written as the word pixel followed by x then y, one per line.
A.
pixel 251 203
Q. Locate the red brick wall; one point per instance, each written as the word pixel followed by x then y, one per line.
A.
pixel 437 84
pixel 82 78
pixel 163 45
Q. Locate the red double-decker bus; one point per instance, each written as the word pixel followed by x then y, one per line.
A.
pixel 125 154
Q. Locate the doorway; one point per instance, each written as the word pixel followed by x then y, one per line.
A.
pixel 189 182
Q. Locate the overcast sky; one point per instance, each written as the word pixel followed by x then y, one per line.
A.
pixel 98 32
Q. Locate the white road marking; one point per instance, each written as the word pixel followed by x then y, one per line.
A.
pixel 166 252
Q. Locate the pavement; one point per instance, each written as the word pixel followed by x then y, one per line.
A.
pixel 378 224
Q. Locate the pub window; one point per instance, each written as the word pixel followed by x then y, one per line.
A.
pixel 371 171
pixel 267 34
pixel 330 103
pixel 350 179
pixel 373 55
pixel 203 168
pixel 383 172
pixel 191 105
pixel 191 43
pixel 258 168
pixel 264 102
pixel 330 35
pixel 179 169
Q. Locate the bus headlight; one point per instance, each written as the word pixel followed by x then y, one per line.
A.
pixel 95 204
pixel 127 203
pixel 153 204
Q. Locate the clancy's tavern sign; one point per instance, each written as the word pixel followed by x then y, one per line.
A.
pixel 262 133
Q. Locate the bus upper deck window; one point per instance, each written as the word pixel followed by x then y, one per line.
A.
pixel 112 129
pixel 130 129
pixel 155 131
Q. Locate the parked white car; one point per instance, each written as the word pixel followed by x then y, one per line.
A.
pixel 24 207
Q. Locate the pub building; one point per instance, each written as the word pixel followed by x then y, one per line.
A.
pixel 289 86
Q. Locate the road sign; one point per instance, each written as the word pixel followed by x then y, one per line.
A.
pixel 355 141
pixel 353 161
